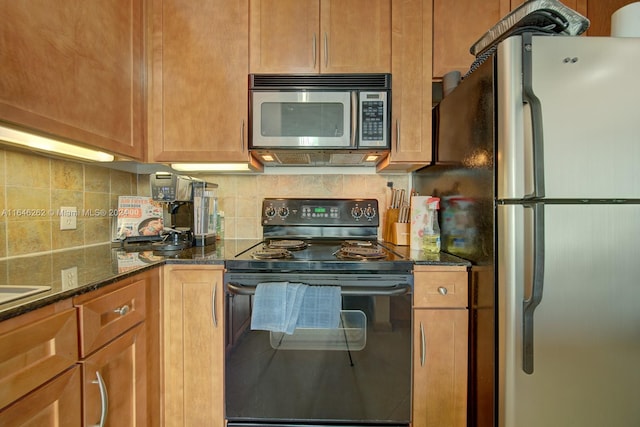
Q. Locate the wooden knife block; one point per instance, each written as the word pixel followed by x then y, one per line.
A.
pixel 395 232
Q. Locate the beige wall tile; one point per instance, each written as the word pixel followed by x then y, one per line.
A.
pixel 27 170
pixel 26 237
pixel 97 230
pixel 22 272
pixel 30 181
pixel 3 238
pixel 64 239
pixel 122 183
pixel 43 185
pixel 97 202
pixel 67 198
pixel 3 168
pixel 27 203
pixel 97 179
pixel 67 175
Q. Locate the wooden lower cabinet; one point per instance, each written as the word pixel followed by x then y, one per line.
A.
pixel 193 306
pixel 116 363
pixel 57 403
pixel 440 354
pixel 114 382
pixel 440 368
pixel 39 377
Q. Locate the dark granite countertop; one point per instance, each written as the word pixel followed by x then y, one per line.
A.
pixel 101 265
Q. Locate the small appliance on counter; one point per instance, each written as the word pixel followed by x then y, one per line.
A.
pixel 191 205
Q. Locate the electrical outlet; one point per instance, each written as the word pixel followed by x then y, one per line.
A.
pixel 68 218
pixel 69 278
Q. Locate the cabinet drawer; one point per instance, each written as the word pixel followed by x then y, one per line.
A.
pixel 35 352
pixel 438 289
pixel 107 316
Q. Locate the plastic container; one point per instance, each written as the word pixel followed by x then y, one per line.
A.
pixel 431 230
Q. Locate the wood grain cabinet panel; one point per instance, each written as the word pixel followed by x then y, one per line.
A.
pixel 103 318
pixel 441 346
pixel 57 403
pixel 411 46
pixel 320 36
pixel 34 352
pixel 440 367
pixel 114 382
pixel 457 25
pixel 194 329
pixel 74 69
pixel 198 103
pixel 120 352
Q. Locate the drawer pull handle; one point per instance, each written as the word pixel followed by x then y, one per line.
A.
pixel 442 290
pixel 104 399
pixel 122 310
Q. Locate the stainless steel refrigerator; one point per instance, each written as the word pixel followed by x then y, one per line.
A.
pixel 537 161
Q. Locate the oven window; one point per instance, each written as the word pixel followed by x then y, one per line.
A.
pixel 359 373
pixel 300 119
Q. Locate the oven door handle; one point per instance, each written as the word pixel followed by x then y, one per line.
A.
pixel 395 290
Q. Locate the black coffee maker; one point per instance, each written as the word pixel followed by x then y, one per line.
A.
pixel 191 208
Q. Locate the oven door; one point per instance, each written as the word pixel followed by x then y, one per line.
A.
pixel 303 119
pixel 357 374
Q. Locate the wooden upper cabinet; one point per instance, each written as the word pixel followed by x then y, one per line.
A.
pixel 320 36
pixel 457 25
pixel 74 69
pixel 411 82
pixel 198 103
pixel 284 36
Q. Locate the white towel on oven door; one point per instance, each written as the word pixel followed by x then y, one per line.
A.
pixel 276 306
pixel 321 307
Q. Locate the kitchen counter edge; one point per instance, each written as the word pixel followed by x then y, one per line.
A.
pixel 215 254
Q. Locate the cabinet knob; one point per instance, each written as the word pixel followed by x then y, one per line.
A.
pixel 122 310
pixel 442 290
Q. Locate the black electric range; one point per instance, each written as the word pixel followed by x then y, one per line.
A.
pixel 320 235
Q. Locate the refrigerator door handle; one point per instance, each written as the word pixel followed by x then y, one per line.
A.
pixel 535 108
pixel 532 300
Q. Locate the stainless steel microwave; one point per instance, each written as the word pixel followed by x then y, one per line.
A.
pixel 326 112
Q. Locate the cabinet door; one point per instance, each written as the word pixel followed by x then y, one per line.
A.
pixel 440 367
pixel 457 25
pixel 57 403
pixel 194 345
pixel 115 382
pixel 355 36
pixel 34 348
pixel 198 95
pixel 284 36
pixel 74 69
pixel 320 36
pixel 411 69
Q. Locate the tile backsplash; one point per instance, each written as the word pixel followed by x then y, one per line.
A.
pixel 33 188
pixel 240 196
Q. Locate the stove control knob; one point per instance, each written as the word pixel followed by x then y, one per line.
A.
pixel 370 212
pixel 356 212
pixel 283 211
pixel 270 212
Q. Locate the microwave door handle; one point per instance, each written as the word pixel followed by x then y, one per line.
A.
pixel 354 117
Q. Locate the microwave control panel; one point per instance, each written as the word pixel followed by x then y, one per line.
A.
pixel 373 119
